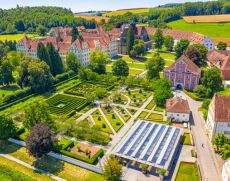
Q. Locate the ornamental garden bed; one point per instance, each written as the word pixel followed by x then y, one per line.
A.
pixel 123 113
pixel 159 109
pixel 150 105
pixel 157 117
pixel 143 115
pixel 85 88
pixel 62 104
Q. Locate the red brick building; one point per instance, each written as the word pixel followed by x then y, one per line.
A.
pixel 183 73
pixel 221 59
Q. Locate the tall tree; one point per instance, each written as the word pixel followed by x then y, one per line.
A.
pixel 222 45
pixel 43 55
pixel 138 48
pixel 225 151
pixel 76 35
pixel 169 42
pixel 6 72
pixel 40 140
pixel 158 39
pixel 112 169
pixel 7 127
pixel 194 54
pixel 120 68
pixel 130 39
pixel 212 81
pixel 203 52
pixel 181 47
pixel 35 113
pixel 220 140
pixel 72 62
pixel 56 61
pixel 98 60
pixel 154 66
pixel 41 30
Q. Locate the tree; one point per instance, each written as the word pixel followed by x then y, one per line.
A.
pixel 161 172
pixel 212 81
pixel 37 112
pixel 225 151
pixel 112 169
pixel 130 39
pixel 40 140
pixel 203 52
pixel 181 46
pixel 40 78
pixel 7 128
pixel 194 54
pixel 98 60
pixel 6 72
pixel 72 62
pixel 41 30
pixel 154 66
pixel 219 141
pixel 57 65
pixel 169 42
pixel 158 39
pixel 162 91
pixel 222 46
pixel 76 35
pixel 43 55
pixel 138 48
pixel 120 68
pixel 19 25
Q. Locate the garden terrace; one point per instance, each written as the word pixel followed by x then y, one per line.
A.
pixel 85 88
pixel 66 105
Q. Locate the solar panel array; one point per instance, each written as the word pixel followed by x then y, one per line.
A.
pixel 150 143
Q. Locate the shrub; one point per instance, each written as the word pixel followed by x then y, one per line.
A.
pixel 113 116
pixel 103 125
pixel 17 95
pixel 140 91
pixel 118 123
pixel 99 118
pixel 63 76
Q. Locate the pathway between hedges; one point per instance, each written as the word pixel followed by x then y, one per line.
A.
pixel 31 167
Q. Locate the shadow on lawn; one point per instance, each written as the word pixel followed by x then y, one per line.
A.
pixel 49 164
pixel 8 147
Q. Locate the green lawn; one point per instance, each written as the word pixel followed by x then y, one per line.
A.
pixel 186 140
pixel 157 117
pixel 11 171
pixel 131 70
pixel 159 109
pixel 137 65
pixel 164 54
pixel 143 115
pixel 188 172
pixel 52 165
pixel 226 91
pixel 7 90
pixel 16 37
pixel 210 29
pixel 150 105
pixel 99 120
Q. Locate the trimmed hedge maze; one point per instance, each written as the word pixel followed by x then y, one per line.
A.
pixel 87 88
pixel 66 105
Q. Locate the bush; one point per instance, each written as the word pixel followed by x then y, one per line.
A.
pixel 118 123
pixel 103 125
pixel 63 76
pixel 17 95
pixel 206 103
pixel 99 118
pixel 63 144
pixel 113 116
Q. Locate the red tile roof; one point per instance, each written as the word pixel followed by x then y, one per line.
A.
pixel 177 105
pixel 222 108
pixel 190 65
pixel 221 59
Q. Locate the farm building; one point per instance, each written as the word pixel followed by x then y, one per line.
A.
pixel 194 38
pixel 221 59
pixel 150 143
pixel 183 73
pixel 178 109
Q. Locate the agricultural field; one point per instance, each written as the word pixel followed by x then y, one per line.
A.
pixel 217 31
pixel 123 11
pixel 85 88
pixel 208 18
pixel 16 37
pixel 62 104
pixel 96 18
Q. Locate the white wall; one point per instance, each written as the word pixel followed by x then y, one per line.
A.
pixel 178 117
pixel 226 171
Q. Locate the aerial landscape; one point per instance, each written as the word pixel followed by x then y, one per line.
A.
pixel 123 90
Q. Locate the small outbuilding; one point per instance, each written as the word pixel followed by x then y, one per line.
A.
pixel 178 110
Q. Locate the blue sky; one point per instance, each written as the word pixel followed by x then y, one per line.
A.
pixel 85 5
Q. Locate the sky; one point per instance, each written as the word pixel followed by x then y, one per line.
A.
pixel 86 5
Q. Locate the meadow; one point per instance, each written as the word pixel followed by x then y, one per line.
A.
pixel 123 11
pixel 16 37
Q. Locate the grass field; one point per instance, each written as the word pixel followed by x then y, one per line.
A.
pixel 11 171
pixel 16 37
pixel 213 30
pixel 7 90
pixel 62 169
pixel 143 115
pixel 186 140
pixel 226 91
pixel 123 11
pixel 96 18
pixel 208 18
pixel 188 172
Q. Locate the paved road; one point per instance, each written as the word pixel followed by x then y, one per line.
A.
pixel 31 167
pixel 206 158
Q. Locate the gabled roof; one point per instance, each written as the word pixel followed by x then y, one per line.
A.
pixel 190 65
pixel 220 59
pixel 222 108
pixel 177 105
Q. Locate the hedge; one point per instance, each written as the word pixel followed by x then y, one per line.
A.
pixel 17 95
pixel 63 76
pixel 63 144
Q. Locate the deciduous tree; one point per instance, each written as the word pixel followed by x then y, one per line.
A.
pixel 120 68
pixel 222 46
pixel 194 54
pixel 220 140
pixel 6 73
pixel 98 60
pixel 72 62
pixel 181 47
pixel 7 127
pixel 130 39
pixel 169 42
pixel 158 39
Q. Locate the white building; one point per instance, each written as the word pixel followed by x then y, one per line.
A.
pixel 218 120
pixel 226 171
pixel 178 110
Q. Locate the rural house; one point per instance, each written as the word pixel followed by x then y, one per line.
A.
pixel 183 73
pixel 220 59
pixel 178 110
pixel 219 116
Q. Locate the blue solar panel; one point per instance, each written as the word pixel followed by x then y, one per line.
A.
pixel 146 141
pixel 150 149
pixel 131 138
